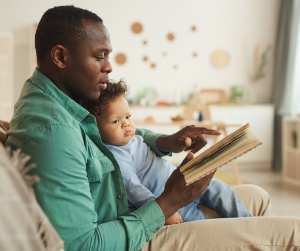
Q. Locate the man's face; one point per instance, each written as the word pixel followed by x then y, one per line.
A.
pixel 115 124
pixel 87 65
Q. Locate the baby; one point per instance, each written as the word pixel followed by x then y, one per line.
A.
pixel 143 172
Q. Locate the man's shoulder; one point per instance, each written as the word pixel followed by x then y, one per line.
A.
pixel 36 110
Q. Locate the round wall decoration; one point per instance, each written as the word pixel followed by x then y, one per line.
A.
pixel 120 58
pixel 136 28
pixel 170 36
pixel 193 28
pixel 220 58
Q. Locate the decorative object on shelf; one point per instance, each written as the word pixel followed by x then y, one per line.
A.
pixel 149 120
pixel 179 117
pixel 200 118
pixel 177 96
pixel 206 97
pixel 220 59
pixel 210 96
pixel 237 94
pixel 259 64
pixel 148 96
pixel 164 103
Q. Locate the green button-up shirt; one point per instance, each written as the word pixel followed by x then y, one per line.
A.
pixel 81 188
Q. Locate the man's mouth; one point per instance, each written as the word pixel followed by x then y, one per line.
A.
pixel 128 133
pixel 103 85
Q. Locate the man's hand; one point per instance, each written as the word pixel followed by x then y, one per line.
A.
pixel 188 138
pixel 174 219
pixel 4 125
pixel 177 195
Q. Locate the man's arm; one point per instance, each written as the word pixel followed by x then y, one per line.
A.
pixel 176 194
pixel 150 139
pixel 64 194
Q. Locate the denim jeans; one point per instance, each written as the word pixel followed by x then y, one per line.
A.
pixel 219 197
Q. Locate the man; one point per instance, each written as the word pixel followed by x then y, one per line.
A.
pixel 81 188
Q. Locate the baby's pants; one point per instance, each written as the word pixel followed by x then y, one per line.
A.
pixel 218 196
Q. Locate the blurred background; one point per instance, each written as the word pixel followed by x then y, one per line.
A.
pixel 212 63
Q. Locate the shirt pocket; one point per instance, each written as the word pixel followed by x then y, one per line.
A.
pixel 98 169
pixel 98 166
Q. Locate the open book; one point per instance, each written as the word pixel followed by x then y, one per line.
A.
pixel 231 147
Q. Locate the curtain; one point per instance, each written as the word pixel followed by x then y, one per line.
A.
pixel 286 90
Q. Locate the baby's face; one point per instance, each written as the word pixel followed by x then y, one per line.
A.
pixel 115 124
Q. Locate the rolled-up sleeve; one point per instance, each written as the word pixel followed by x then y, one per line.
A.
pixel 150 139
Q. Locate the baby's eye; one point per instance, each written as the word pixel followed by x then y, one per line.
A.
pixel 127 117
pixel 116 121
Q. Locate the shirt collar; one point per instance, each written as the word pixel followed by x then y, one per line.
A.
pixel 46 85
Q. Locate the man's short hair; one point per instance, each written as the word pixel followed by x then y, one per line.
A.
pixel 61 25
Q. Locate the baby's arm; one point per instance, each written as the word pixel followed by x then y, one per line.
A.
pixel 137 194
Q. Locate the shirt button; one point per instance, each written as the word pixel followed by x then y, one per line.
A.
pixel 120 196
pixel 155 230
pixel 89 117
pixel 94 137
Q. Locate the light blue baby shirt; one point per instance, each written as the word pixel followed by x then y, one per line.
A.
pixel 143 172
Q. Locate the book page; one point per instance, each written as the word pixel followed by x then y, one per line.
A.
pixel 216 147
pixel 196 174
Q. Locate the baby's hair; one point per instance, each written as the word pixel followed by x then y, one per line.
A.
pixel 111 93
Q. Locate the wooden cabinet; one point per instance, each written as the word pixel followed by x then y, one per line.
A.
pixel 291 149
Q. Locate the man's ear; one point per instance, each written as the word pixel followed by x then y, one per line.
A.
pixel 58 56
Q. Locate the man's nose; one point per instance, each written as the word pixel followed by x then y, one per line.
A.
pixel 107 67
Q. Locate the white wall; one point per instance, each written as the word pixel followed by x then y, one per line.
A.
pixel 233 25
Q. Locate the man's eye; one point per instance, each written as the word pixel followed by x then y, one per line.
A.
pixel 99 58
pixel 116 121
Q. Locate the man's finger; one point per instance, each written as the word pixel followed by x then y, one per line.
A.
pixel 204 181
pixel 188 142
pixel 188 157
pixel 203 130
pixel 200 144
pixel 4 125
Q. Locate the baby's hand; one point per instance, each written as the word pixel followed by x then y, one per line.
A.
pixel 174 219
